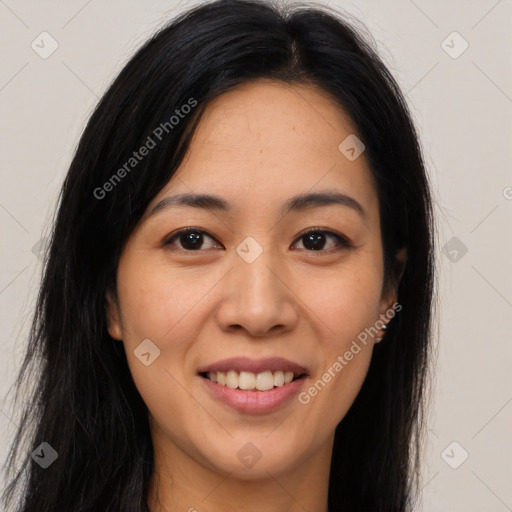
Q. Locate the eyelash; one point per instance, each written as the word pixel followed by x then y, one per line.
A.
pixel 343 241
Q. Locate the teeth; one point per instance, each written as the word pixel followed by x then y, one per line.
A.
pixel 279 378
pixel 232 379
pixel 264 381
pixel 248 381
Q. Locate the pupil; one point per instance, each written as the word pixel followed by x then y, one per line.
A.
pixel 317 240
pixel 191 240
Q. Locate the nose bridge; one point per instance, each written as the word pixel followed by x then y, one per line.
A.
pixel 257 277
pixel 257 298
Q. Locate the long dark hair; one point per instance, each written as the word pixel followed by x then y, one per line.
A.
pixel 84 402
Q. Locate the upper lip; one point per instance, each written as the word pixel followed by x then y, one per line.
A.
pixel 245 364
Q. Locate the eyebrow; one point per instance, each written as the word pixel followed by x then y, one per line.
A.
pixel 296 203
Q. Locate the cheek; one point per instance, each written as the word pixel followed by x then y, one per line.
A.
pixel 341 379
pixel 163 393
pixel 166 307
pixel 344 303
pixel 159 305
pixel 155 300
pixel 332 391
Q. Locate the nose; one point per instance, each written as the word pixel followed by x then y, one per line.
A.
pixel 258 297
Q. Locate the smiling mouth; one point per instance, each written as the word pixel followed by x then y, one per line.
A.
pixel 249 381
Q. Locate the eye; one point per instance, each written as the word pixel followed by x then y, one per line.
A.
pixel 190 239
pixel 315 240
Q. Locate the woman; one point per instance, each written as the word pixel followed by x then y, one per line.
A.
pixel 236 306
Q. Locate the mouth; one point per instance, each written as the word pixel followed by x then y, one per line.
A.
pixel 253 386
pixel 250 381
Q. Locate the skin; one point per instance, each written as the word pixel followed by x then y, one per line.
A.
pixel 256 146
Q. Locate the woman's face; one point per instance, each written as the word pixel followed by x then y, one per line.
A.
pixel 247 284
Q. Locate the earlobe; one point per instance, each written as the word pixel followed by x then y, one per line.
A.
pixel 113 317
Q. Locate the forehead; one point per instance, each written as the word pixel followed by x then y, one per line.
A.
pixel 269 141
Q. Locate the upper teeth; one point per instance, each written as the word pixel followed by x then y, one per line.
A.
pixel 247 380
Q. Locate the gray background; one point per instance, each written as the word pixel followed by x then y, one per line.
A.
pixel 462 107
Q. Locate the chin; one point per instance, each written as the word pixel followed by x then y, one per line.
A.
pixel 252 463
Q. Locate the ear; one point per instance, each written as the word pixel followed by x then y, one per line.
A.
pixel 113 316
pixel 390 292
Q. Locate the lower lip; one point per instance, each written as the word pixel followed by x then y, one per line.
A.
pixel 255 401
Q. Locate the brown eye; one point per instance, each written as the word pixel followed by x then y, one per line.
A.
pixel 315 240
pixel 189 239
